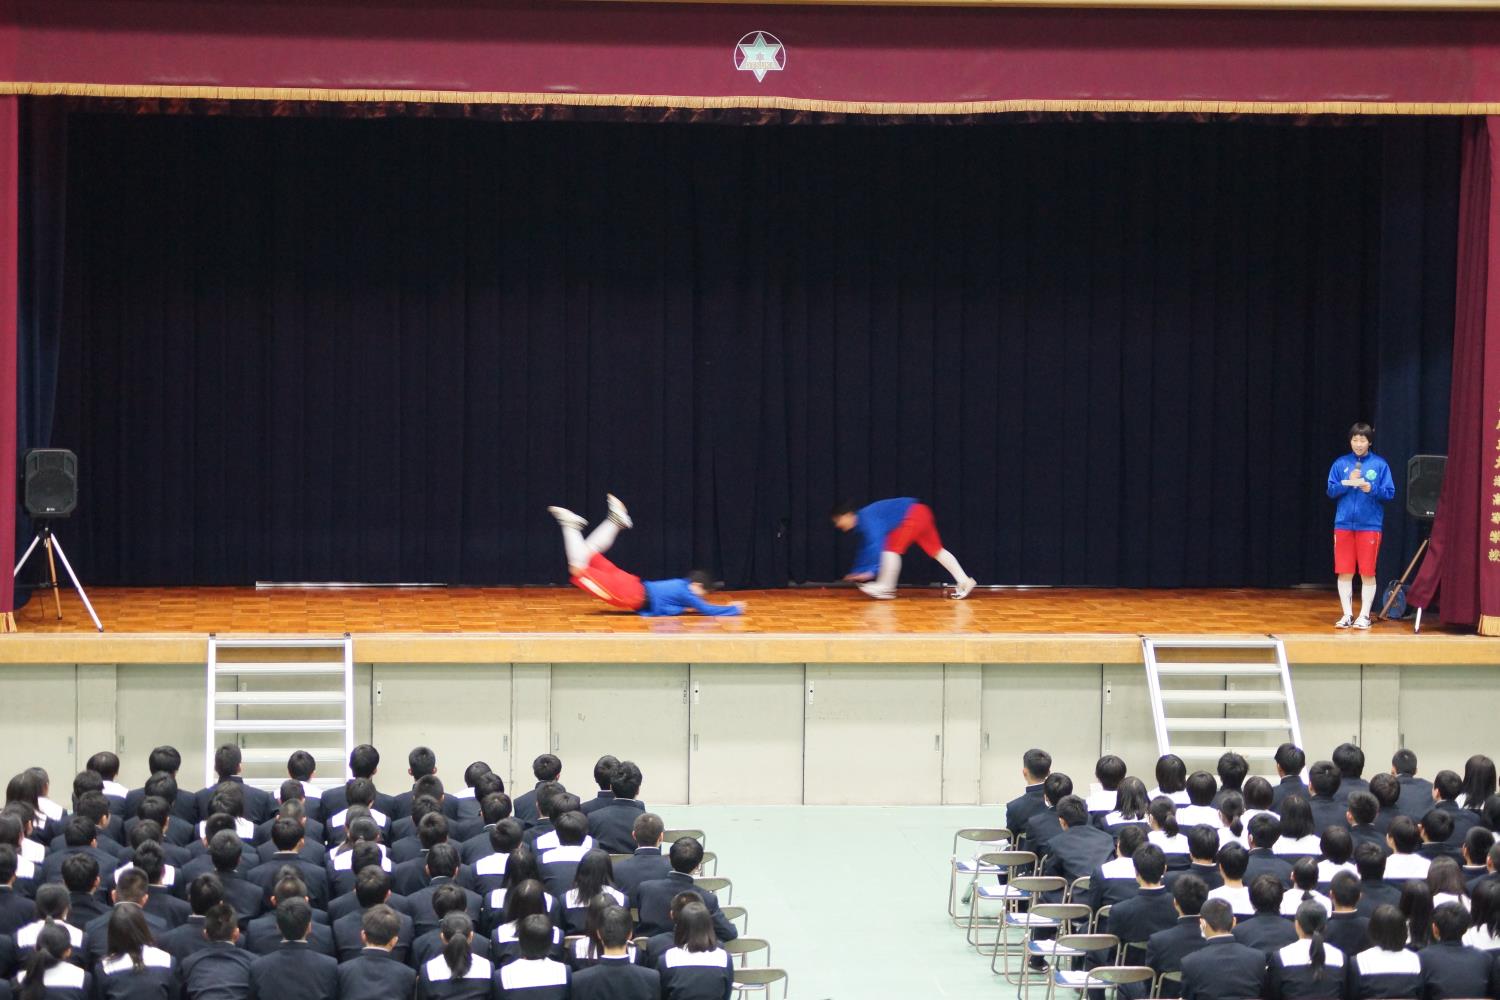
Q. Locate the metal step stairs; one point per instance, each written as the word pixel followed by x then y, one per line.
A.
pixel 1252 699
pixel 271 696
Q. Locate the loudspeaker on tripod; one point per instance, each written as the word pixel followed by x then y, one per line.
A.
pixel 50 478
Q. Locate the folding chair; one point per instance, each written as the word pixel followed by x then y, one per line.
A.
pixel 570 942
pixel 640 943
pixel 709 858
pixel 1021 893
pixel 1007 864
pixel 1100 916
pixel 715 885
pixel 744 947
pixel 748 982
pixel 733 913
pixel 669 837
pixel 1080 885
pixel 1132 949
pixel 1058 917
pixel 1074 948
pixel 1103 977
pixel 983 839
pixel 1174 976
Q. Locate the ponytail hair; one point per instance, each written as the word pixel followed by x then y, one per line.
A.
pixel 1231 809
pixel 1313 921
pixel 455 930
pixel 52 946
pixel 1164 813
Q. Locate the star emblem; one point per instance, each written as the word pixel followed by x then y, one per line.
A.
pixel 760 53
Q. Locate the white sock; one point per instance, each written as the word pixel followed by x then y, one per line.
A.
pixel 577 549
pixel 1366 596
pixel 602 537
pixel 890 571
pixel 949 562
pixel 1346 592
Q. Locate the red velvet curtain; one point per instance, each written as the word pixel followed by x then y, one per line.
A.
pixel 9 268
pixel 1463 565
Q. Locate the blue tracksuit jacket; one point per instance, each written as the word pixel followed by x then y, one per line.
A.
pixel 1358 510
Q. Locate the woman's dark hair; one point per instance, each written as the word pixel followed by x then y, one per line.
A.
pixel 1444 875
pixel 1201 788
pixel 694 929
pixel 1258 793
pixel 1313 920
pixel 520 867
pixel 1296 817
pixel 455 931
pixel 1171 773
pixel 1416 905
pixel 594 873
pixel 24 787
pixel 1479 781
pixel 129 934
pixel 52 947
pixel 1131 800
pixel 1231 809
pixel 1388 928
pixel 593 921
pixel 1485 906
pixel 524 899
pixel 1305 876
pixel 1163 813
pixel 1489 813
pixel 1362 429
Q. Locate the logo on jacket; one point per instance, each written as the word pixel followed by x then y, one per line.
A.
pixel 760 52
pixel 1370 475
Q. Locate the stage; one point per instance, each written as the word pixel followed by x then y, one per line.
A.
pixel 805 625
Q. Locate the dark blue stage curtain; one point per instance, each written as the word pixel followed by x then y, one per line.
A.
pixel 1107 353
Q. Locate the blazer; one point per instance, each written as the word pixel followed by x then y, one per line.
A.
pixel 294 972
pixel 1223 969
pixel 1021 808
pixel 1376 973
pixel 118 979
pixel 1416 796
pixel 1374 893
pixel 185 940
pixel 315 877
pixel 644 865
pixel 1266 932
pixel 1292 978
pixel 1040 829
pixel 1452 969
pixel 1328 812
pixel 523 807
pixel 96 936
pixel 344 905
pixel 604 798
pixel 695 975
pixel 1264 862
pixel 263 937
pixel 1138 918
pixel 654 901
pixel 533 979
pixel 1077 851
pixel 435 980
pixel 425 918
pixel 348 944
pixel 1348 932
pixel 375 975
pixel 616 979
pixel 1210 874
pixel 430 945
pixel 1166 949
pixel 259 805
pixel 611 825
pixel 1292 784
pixel 218 970
pixel 184 806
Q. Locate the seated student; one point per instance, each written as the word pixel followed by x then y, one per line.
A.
pixel 51 910
pixel 295 969
pixel 479 781
pixel 228 800
pixel 228 763
pixel 442 869
pixel 372 888
pixel 1416 905
pixel 1329 801
pixel 410 873
pixel 1386 968
pixel 1109 771
pixel 1484 917
pixel 1258 795
pixel 448 899
pixel 1165 832
pixel 526 899
pixel 615 976
pixel 1404 862
pixel 1451 968
pixel 342 867
pixel 1308 967
pixel 165 761
pixel 1350 762
pixel 80 874
pixel 1130 808
pixel 225 850
pixel 1304 889
pixel 1151 909
pixel 1233 860
pixel 456 973
pixel 546 768
pixel 520 867
pixel 544 836
pixel 1201 791
pixel 1478 783
pixel 79 837
pixel 494 809
pixel 286 834
pixel 104 811
pixel 1166 949
pixel 1078 848
pixel 1447 786
pixel 364 762
pixel 204 893
pixel 153 820
pixel 219 971
pixel 503 838
pixel 1491 867
pixel 130 967
pixel 1266 929
pixel 293 807
pixel 610 824
pixel 357 792
pixel 1337 854
pixel 265 933
pixel 647 862
pixel 1203 857
pixel 594 877
pixel 1265 831
pixel 429 788
pixel 655 897
pixel 1171 779
pixel 535 973
pixel 1115 880
pixel 130 890
pixel 604 769
pixel 1347 930
pixel 1360 812
pixel 31 787
pixel 1374 890
pixel 1232 769
pixel 1436 830
pixel 1298 836
pixel 1446 880
pixel 1290 760
pixel 421 763
pixel 1036 765
pixel 696 968
pixel 50 963
pixel 15 832
pixel 657 945
pixel 1476 852
pixel 301 766
pixel 1387 792
pixel 1223 969
pixel 374 974
pixel 559 862
pixel 551 799
pixel 15 907
pixel 584 951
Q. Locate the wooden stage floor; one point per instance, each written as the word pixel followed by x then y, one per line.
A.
pixel 824 624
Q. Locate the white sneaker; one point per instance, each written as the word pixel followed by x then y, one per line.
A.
pixel 617 511
pixel 878 592
pixel 964 589
pixel 567 518
pixel 1363 621
pixel 1344 622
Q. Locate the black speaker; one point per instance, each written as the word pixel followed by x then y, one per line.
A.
pixel 50 482
pixel 1424 481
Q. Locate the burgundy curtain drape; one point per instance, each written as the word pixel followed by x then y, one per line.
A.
pixel 9 269
pixel 1463 565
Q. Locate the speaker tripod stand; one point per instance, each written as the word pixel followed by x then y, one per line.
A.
pixel 52 544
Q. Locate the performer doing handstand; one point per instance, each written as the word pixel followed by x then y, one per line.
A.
pixel 887 529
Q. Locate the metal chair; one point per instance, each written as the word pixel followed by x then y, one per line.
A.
pixel 733 913
pixel 1020 893
pixel 1058 917
pixel 1100 915
pixel 744 947
pixel 750 981
pixel 1103 977
pixel 668 837
pixel 715 885
pixel 1007 864
pixel 709 858
pixel 983 839
pixel 1080 885
pixel 1174 976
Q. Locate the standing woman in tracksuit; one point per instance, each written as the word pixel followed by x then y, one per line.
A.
pixel 1361 483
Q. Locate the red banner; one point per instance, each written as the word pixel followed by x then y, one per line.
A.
pixel 9 275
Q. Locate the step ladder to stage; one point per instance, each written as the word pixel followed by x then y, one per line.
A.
pixel 274 696
pixel 1210 696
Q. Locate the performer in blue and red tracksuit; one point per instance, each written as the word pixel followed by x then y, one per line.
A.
pixel 1360 481
pixel 592 572
pixel 887 528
